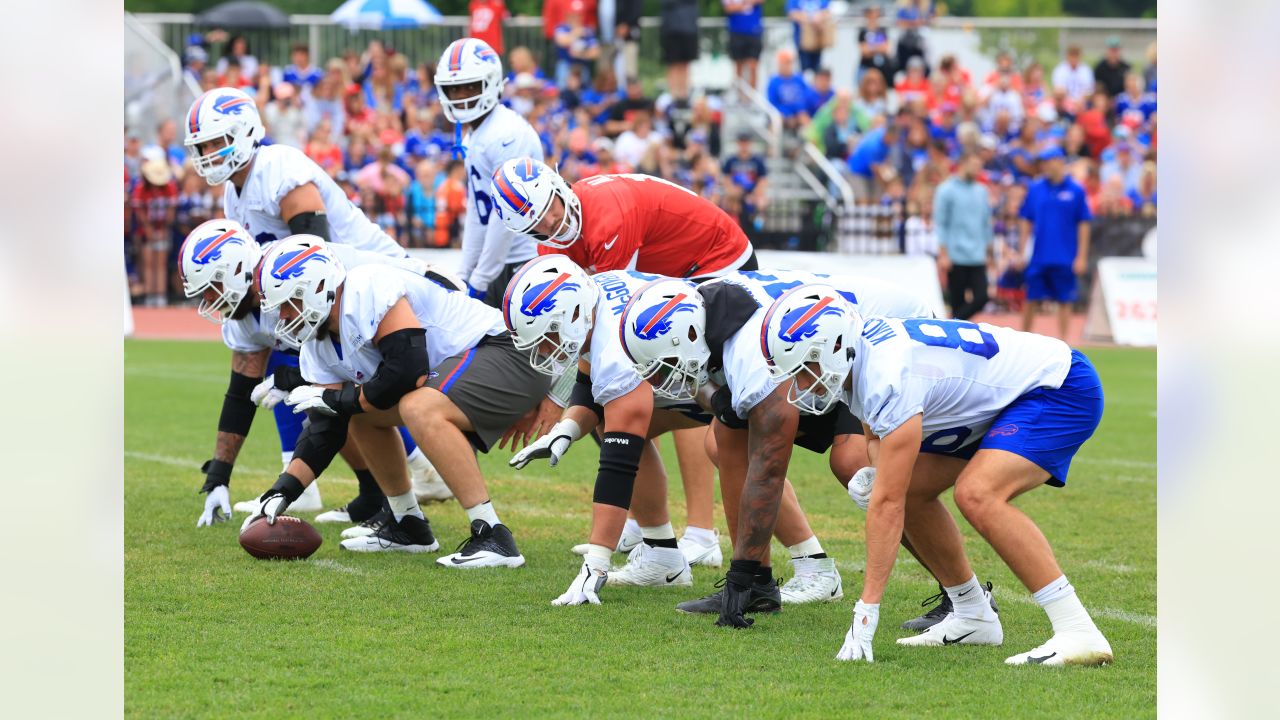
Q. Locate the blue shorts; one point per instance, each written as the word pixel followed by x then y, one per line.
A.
pixel 1048 425
pixel 1051 282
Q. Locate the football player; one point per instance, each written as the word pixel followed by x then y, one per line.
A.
pixel 989 410
pixel 277 191
pixel 689 342
pixel 383 347
pixel 216 263
pixel 486 133
pixel 638 222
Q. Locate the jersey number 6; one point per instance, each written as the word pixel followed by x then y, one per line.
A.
pixel 484 203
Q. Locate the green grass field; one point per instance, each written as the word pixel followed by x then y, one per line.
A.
pixel 209 631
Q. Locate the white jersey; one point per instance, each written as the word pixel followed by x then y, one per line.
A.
pixel 612 374
pixel 745 370
pixel 487 245
pixel 253 332
pixel 959 374
pixel 453 322
pixel 276 171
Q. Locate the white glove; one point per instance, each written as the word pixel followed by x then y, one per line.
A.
pixel 552 445
pixel 266 394
pixel 857 641
pixel 216 503
pixel 585 588
pixel 860 486
pixel 272 506
pixel 310 397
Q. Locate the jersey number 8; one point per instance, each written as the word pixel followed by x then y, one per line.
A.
pixel 957 334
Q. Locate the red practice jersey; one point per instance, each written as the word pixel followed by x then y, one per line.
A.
pixel 667 229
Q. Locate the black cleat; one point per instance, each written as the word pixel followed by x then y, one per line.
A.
pixel 410 534
pixel 765 598
pixel 487 547
pixel 936 615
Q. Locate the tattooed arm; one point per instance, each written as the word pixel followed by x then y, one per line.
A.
pixel 771 432
pixel 249 364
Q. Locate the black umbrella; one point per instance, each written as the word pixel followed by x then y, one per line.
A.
pixel 243 14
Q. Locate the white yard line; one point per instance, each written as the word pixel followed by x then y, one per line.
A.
pixel 336 566
pixel 180 375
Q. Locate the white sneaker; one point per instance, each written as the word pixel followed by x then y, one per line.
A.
pixel 338 515
pixel 411 534
pixel 1068 648
pixel 428 486
pixel 955 630
pixel 308 501
pixel 698 554
pixel 653 567
pixel 815 580
pixel 626 544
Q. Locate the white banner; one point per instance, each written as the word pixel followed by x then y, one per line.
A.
pixel 918 273
pixel 1128 286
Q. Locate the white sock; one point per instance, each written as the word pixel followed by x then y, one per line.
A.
pixel 702 536
pixel 805 549
pixel 285 459
pixel 406 504
pixel 484 511
pixel 970 601
pixel 632 528
pixel 1066 612
pixel 418 462
pixel 658 532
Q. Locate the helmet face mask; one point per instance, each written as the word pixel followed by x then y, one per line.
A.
pixel 663 330
pixel 465 62
pixel 222 133
pixel 216 262
pixel 300 276
pixel 811 325
pixel 549 308
pixel 525 192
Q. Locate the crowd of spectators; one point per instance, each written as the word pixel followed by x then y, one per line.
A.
pixel 371 120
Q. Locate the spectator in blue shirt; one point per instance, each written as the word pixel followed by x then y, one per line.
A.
pixel 420 201
pixel 747 175
pixel 576 45
pixel 301 72
pixel 1056 211
pixel 868 163
pixel 820 92
pixel 746 36
pixel 1134 100
pixel 789 93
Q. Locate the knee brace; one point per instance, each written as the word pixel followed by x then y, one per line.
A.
pixel 404 361
pixel 321 440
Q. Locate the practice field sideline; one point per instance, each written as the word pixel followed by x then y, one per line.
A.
pixel 209 631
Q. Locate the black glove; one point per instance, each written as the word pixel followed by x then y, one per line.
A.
pixel 216 473
pixel 288 377
pixel 275 501
pixel 722 408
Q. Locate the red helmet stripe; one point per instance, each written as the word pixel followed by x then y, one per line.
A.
pixel 455 57
pixel 298 258
pixel 511 195
pixel 665 311
pixel 808 315
pixel 217 242
pixel 193 119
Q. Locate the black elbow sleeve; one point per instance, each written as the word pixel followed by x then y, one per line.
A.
pixel 404 362
pixel 310 223
pixel 619 461
pixel 581 396
pixel 321 440
pixel 237 408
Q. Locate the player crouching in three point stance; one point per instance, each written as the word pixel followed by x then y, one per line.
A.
pixel 385 347
pixel 990 410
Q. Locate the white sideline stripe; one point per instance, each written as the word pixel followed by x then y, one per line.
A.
pixel 328 564
pixel 175 375
pixel 195 465
pixel 1119 462
pixel 1120 568
pixel 1148 621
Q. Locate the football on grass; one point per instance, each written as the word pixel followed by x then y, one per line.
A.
pixel 290 538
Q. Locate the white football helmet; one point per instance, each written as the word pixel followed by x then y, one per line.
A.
pixel 468 61
pixel 229 115
pixel 222 252
pixel 811 324
pixel 523 189
pixel 664 334
pixel 302 271
pixel 550 300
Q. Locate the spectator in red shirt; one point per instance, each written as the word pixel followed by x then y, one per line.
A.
pixel 555 11
pixel 322 151
pixel 486 22
pixel 954 79
pixel 915 86
pixel 154 207
pixel 360 118
pixel 1004 68
pixel 1097 135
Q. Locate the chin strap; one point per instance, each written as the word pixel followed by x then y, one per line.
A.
pixel 459 152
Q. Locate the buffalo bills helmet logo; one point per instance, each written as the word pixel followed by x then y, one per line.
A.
pixel 802 322
pixel 527 170
pixel 656 321
pixel 542 298
pixel 230 104
pixel 210 249
pixel 486 53
pixel 290 264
